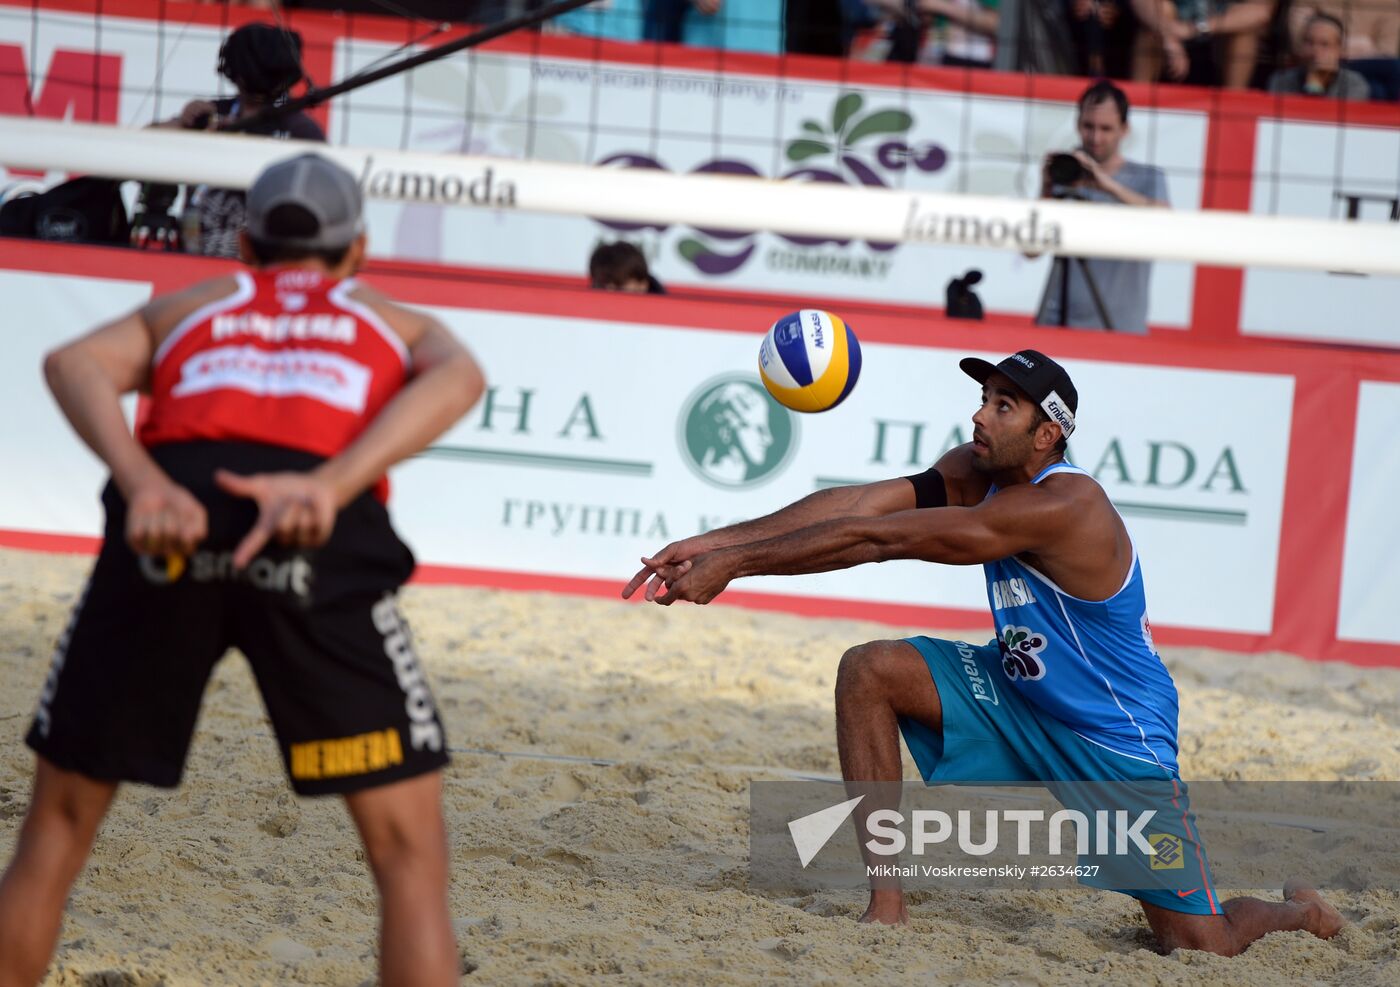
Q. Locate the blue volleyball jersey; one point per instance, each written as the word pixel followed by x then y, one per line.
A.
pixel 1090 664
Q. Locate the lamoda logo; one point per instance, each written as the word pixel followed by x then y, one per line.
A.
pixel 733 434
pixel 381 180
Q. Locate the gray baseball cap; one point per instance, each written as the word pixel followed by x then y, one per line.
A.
pixel 328 196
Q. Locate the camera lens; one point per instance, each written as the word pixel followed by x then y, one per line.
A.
pixel 1065 169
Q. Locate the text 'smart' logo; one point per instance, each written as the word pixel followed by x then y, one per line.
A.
pixel 852 148
pixel 733 434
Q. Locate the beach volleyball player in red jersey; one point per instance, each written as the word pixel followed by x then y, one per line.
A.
pixel 249 512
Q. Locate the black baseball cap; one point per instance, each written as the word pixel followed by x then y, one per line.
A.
pixel 1041 379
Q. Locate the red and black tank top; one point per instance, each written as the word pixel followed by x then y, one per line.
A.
pixel 288 359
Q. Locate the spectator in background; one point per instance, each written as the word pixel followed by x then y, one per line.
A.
pixel 1371 38
pixel 964 31
pixel 263 61
pixel 621 266
pixel 1201 42
pixel 1104 176
pixel 1370 28
pixel 729 25
pixel 1103 33
pixel 1320 72
pixel 815 27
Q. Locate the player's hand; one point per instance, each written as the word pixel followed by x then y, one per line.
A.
pixel 296 509
pixel 1094 173
pixel 706 579
pixel 1178 62
pixel 663 564
pixel 707 7
pixel 163 518
pixel 199 114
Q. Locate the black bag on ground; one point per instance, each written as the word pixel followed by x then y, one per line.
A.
pixel 84 210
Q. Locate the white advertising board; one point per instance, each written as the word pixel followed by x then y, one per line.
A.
pixel 602 441
pixel 1367 611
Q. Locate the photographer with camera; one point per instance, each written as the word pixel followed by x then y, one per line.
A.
pixel 263 61
pixel 1099 293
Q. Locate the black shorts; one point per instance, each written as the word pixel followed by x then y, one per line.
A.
pixel 332 655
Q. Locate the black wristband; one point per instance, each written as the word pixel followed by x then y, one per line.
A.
pixel 929 488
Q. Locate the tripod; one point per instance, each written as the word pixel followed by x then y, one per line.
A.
pixel 1061 266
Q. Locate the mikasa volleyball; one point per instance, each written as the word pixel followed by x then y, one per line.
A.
pixel 809 360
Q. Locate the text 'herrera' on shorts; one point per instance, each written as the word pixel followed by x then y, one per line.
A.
pixel 333 657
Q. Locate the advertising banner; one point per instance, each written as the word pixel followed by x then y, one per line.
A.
pixel 613 426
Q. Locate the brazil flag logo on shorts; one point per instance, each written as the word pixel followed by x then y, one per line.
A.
pixel 1169 855
pixel 733 434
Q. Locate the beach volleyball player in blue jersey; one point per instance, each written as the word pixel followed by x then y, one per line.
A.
pixel 1072 689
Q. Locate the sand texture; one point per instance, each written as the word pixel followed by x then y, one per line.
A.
pixel 636 871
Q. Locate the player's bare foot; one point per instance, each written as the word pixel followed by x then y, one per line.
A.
pixel 886 908
pixel 1329 921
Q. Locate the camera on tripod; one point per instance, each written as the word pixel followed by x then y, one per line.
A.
pixel 1065 169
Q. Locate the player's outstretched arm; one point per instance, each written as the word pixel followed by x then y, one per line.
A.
pixel 1019 519
pixel 858 500
pixel 88 377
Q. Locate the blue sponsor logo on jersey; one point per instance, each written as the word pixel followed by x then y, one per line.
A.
pixel 1020 652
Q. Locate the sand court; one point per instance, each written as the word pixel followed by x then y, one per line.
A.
pixel 615 849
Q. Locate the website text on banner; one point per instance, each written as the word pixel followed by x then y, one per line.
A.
pixel 1237 499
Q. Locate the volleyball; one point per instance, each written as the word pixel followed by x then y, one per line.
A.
pixel 809 360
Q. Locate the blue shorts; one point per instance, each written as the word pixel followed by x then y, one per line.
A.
pixel 992 735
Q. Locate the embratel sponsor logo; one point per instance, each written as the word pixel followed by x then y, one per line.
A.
pixel 1059 413
pixel 982 688
pixel 1030 233
pixel 293 576
pixel 444 187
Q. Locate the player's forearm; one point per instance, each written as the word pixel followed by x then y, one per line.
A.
pixel 1152 14
pixel 812 509
pixel 1241 17
pixel 947 534
pixel 91 402
pixel 822 547
pixel 417 415
pixel 974 16
pixel 1127 196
